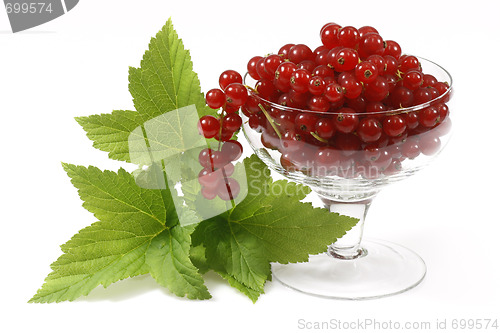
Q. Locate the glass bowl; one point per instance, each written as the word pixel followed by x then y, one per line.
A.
pixel 347 167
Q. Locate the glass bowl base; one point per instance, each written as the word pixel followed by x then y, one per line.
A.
pixel 386 269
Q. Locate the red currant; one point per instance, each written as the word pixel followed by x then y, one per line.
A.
pixel 394 125
pixel 229 76
pixel 346 120
pixel 231 122
pixel 215 98
pixel 209 126
pixel 369 129
pixel 236 94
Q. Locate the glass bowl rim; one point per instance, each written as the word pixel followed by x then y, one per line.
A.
pixel 394 111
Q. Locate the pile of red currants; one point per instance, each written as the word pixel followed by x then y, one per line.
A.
pixel 353 106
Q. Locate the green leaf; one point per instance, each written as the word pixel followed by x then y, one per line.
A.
pixel 269 225
pixel 100 254
pixel 166 80
pixel 116 247
pixel 110 132
pixel 170 265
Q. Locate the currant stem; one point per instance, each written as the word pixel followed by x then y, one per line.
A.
pixel 270 120
pixel 317 137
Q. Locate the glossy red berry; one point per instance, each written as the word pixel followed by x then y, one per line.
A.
pixel 208 126
pixel 300 52
pixel 366 72
pixel 345 60
pixel 229 76
pixel 231 150
pixel 215 98
pixel 325 128
pixel 346 120
pixel 231 122
pixel 371 43
pixel 394 125
pixel 299 81
pixel 348 37
pixel 329 34
pixel 252 67
pixel 236 94
pixel 369 129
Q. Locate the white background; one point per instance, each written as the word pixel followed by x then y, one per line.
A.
pixel 78 65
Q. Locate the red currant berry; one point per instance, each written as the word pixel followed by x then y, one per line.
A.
pixel 316 86
pixel 318 103
pixel 325 128
pixel 390 65
pixel 261 70
pixel 291 141
pixel 411 120
pixel 229 76
pixel 422 95
pixel 284 73
pixel 271 62
pixel 429 80
pixel 252 67
pixel 413 79
pixel 401 97
pixel 369 129
pixel 366 72
pixel 300 52
pixel 284 51
pixel 322 71
pixel 346 120
pixel 392 48
pixel 236 94
pixel 205 158
pixel 429 144
pixel 429 116
pixel 352 88
pixel 224 135
pixel 228 189
pixel 208 126
pixel 348 37
pixel 215 98
pixel 345 60
pixel 299 81
pixel 209 178
pixel 265 88
pixel 231 150
pixel 366 29
pixel 394 125
pixel 408 62
pixel 410 148
pixel 308 65
pixel 329 34
pixel 305 122
pixel 371 152
pixel 371 43
pixel 334 92
pixel 231 122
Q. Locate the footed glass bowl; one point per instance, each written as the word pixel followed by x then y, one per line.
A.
pixel 346 157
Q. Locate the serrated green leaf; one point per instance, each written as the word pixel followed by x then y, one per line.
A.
pixel 100 254
pixel 166 80
pixel 116 247
pixel 111 132
pixel 169 264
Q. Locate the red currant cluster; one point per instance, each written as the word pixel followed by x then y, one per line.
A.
pixel 217 163
pixel 354 105
pixel 346 108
